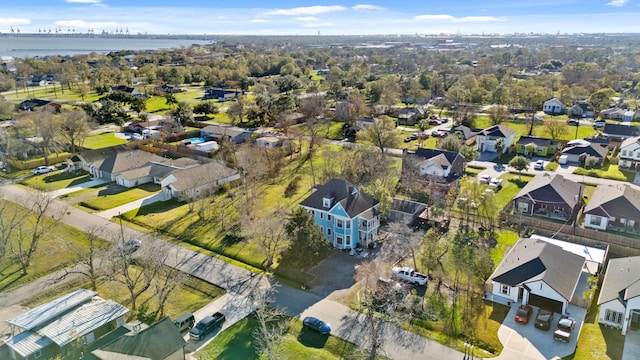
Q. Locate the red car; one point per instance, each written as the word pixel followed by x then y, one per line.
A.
pixel 524 314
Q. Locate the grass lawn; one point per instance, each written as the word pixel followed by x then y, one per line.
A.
pixel 57 180
pixel 511 185
pixel 237 342
pixel 52 255
pixel 48 92
pixel 608 171
pixel 102 141
pixel 109 200
pixel 522 129
pixel 505 239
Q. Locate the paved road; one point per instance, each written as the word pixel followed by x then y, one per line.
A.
pixel 240 285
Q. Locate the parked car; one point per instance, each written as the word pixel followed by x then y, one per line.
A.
pixel 206 325
pixel 496 183
pixel 598 124
pixel 543 319
pixel 538 165
pixel 573 122
pixel 485 179
pixel 435 133
pixel 409 275
pixel 524 314
pixel 317 325
pixel 129 246
pixel 563 329
pixel 42 170
pixel 185 322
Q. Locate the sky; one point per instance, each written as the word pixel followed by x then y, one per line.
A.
pixel 338 17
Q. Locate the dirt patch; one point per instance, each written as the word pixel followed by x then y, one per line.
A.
pixel 7 313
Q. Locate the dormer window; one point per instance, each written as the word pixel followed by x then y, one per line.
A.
pixel 326 202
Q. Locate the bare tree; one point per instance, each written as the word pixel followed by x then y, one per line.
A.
pixel 498 114
pixel 271 237
pixel 272 324
pixel 10 221
pixel 382 134
pixel 38 219
pixel 89 261
pixel 405 241
pixel 74 127
pixel 168 278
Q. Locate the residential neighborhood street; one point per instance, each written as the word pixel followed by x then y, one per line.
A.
pixel 240 285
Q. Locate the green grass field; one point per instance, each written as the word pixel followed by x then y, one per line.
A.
pixel 608 171
pixel 596 341
pixel 511 185
pixel 101 141
pixel 108 200
pixel 56 180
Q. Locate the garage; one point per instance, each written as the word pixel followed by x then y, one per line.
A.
pixel 545 303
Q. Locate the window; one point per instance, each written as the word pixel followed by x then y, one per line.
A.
pixel 624 152
pixel 348 223
pixel 339 224
pixel 523 207
pixel 37 354
pixel 326 202
pixel 329 217
pixel 321 215
pixel 328 231
pixel 613 316
pixel 504 289
pixel 348 243
pixel 339 240
pixel 595 220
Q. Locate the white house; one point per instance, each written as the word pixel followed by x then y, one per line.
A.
pixel 554 107
pixel 630 153
pixel 614 207
pixel 619 298
pixel 486 139
pixel 538 273
pixel 190 183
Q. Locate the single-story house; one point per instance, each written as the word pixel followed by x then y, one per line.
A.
pixel 188 184
pixel 32 104
pixel 125 89
pixel 581 110
pixel 538 273
pixel 108 163
pixel 366 121
pixel 408 116
pixel 630 153
pixel 64 327
pixel 614 207
pixel 536 146
pixel 618 131
pixel 486 139
pixel 153 171
pixel 434 169
pixel 220 132
pixel 619 298
pixel 271 141
pixel 347 217
pixel 221 94
pixel 613 113
pixel 579 152
pixel 554 107
pixel 549 195
pixel 160 341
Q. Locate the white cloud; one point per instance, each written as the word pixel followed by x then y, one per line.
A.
pixel 84 1
pixel 452 19
pixel 14 21
pixel 617 3
pixel 309 10
pixel 307 18
pixel 368 7
pixel 86 24
pixel 259 21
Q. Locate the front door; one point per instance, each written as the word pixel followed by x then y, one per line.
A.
pixel 635 320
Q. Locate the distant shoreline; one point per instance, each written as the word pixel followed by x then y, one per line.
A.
pixel 111 36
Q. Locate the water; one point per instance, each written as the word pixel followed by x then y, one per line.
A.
pixel 25 46
pixel 195 140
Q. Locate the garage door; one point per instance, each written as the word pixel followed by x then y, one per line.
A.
pixel 545 303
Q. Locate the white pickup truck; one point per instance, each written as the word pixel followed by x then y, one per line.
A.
pixel 409 275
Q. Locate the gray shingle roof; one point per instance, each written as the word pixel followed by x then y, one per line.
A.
pixel 223 129
pixel 551 188
pixel 200 176
pixel 498 131
pixel 534 140
pixel 124 161
pixel 621 130
pixel 353 201
pixel 622 280
pixel 448 156
pixel 619 201
pixel 591 149
pixel 532 260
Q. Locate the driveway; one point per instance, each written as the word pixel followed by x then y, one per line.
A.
pixel 68 190
pixel 526 342
pixel 108 214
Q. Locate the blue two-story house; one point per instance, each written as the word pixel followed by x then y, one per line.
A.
pixel 347 217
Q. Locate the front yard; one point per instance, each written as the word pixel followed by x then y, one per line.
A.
pixel 608 171
pixel 57 180
pixel 112 195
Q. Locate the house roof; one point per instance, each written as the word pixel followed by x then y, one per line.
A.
pixel 630 141
pixel 555 100
pixel 150 169
pixel 617 130
pixel 67 328
pixel 552 189
pixel 535 141
pixel 466 132
pixel 223 129
pixel 124 161
pixel 201 175
pixel 619 201
pixel 51 310
pixel 497 131
pixel 158 341
pixel 123 88
pixel 441 157
pixel 98 155
pixel 621 281
pixel 588 148
pixel 533 260
pixel 342 192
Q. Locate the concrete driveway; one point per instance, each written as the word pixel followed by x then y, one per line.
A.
pixel 526 342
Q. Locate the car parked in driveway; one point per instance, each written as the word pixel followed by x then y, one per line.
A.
pixel 538 165
pixel 543 319
pixel 317 325
pixel 42 170
pixel 496 183
pixel 564 328
pixel 206 325
pixel 484 179
pixel 524 314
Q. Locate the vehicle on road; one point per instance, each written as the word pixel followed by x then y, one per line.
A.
pixel 206 325
pixel 42 170
pixel 130 246
pixel 563 329
pixel 484 179
pixel 598 124
pixel 317 325
pixel 496 183
pixel 573 122
pixel 524 314
pixel 435 133
pixel 538 165
pixel 409 275
pixel 543 319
